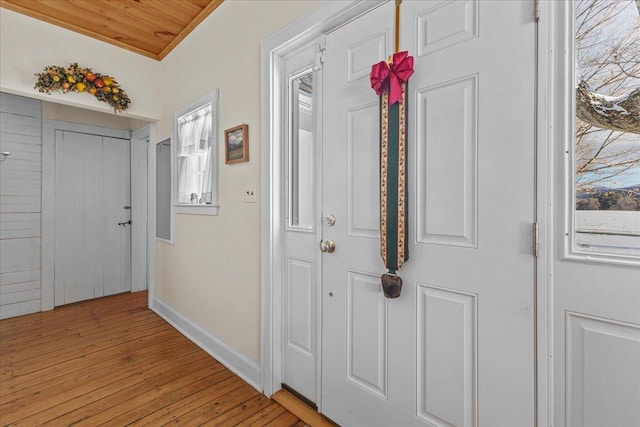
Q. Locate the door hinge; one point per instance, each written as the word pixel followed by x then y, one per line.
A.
pixel 322 46
pixel 534 239
pixel 536 10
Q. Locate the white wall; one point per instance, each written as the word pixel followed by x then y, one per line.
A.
pixel 28 45
pixel 211 275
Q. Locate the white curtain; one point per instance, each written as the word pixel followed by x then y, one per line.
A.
pixel 194 157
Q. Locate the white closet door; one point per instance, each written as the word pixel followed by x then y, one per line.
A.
pixel 92 187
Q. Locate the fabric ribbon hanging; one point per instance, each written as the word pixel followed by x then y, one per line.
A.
pixel 389 80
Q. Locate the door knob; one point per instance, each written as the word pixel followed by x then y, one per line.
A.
pixel 328 246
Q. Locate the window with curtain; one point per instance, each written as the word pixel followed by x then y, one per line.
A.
pixel 195 157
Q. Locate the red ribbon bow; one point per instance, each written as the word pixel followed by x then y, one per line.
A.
pixel 385 75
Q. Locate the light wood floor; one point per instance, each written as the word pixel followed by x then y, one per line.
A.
pixel 113 362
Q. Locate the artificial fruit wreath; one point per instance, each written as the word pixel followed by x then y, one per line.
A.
pixel 79 79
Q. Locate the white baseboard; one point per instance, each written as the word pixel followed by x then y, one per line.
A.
pixel 235 361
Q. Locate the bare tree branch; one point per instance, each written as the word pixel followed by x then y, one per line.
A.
pixel 620 113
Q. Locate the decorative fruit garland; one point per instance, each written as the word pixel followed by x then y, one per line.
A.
pixel 78 79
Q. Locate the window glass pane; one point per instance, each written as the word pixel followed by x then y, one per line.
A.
pixel 163 190
pixel 607 130
pixel 194 157
pixel 301 164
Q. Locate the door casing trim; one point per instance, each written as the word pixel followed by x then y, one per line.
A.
pixel 49 128
pixel 148 133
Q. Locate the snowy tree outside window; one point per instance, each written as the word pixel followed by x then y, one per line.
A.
pixel 607 127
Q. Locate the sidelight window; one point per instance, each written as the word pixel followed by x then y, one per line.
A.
pixel 606 149
pixel 301 152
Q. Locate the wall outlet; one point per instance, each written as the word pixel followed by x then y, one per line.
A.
pixel 250 194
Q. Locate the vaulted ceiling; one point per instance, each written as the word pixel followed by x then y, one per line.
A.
pixel 148 27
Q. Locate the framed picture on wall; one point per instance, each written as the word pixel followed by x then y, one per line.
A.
pixel 236 144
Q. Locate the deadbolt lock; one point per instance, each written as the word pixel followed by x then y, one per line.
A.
pixel 330 220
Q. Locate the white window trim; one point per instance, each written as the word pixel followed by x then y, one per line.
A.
pixel 212 98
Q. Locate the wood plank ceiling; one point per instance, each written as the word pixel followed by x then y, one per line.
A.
pixel 148 27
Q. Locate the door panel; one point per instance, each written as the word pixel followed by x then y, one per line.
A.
pixel 456 348
pixel 601 356
pixel 366 333
pixel 447 124
pixel 446 355
pixel 300 292
pixel 596 341
pixel 364 157
pixel 79 217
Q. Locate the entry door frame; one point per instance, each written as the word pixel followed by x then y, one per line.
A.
pixel 49 128
pixel 309 27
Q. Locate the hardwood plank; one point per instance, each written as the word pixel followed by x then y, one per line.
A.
pixel 113 362
pixel 92 344
pixel 265 416
pixel 214 408
pixel 127 400
pixel 300 409
pixel 286 419
pixel 48 333
pixel 171 413
pixel 80 403
pixel 59 376
pixel 240 412
pixel 136 408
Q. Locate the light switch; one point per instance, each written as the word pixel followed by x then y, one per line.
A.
pixel 250 194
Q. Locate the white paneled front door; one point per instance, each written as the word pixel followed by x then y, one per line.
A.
pixel 457 347
pixel 92 196
pixel 301 229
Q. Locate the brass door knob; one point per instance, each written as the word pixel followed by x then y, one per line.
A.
pixel 328 246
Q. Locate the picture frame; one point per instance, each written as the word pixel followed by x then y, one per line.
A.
pixel 236 144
